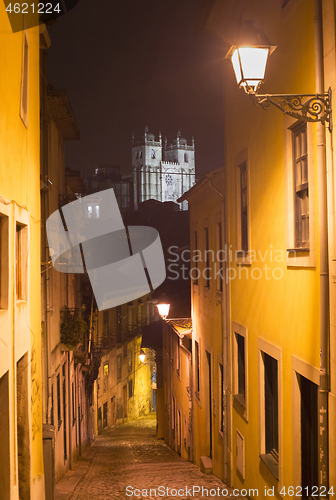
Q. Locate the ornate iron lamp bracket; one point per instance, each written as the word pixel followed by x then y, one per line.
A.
pixel 308 107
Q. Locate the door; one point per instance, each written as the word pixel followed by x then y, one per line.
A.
pixel 309 433
pixel 208 356
pixel 125 400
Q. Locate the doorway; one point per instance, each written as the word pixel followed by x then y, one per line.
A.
pixel 208 357
pixel 309 436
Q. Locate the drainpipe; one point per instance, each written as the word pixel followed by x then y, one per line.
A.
pixel 323 423
pixel 225 343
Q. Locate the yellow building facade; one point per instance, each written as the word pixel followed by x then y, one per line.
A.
pixel 277 331
pixel 21 461
pixel 208 300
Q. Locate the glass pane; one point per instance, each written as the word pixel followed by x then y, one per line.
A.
pixel 243 178
pixel 244 203
pixel 304 142
pixel 304 170
pixel 253 61
pixel 298 180
pixel 297 146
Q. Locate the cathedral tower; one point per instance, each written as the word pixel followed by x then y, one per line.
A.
pixel 163 174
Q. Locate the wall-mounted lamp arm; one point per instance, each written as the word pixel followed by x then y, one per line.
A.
pixel 308 107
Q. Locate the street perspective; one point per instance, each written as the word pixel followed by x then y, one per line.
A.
pixel 167 249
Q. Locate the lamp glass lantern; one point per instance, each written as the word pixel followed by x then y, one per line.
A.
pixel 249 56
pixel 142 356
pixel 163 310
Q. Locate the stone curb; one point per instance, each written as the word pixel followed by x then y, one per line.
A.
pixel 66 485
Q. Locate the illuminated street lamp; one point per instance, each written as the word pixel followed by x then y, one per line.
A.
pixel 163 310
pixel 249 59
pixel 142 356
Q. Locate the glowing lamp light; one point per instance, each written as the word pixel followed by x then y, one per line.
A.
pixel 249 56
pixel 163 310
pixel 142 356
pixel 249 64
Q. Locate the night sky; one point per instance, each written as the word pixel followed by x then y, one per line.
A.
pixel 131 63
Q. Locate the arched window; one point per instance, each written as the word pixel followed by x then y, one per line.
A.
pixel 186 157
pixel 152 153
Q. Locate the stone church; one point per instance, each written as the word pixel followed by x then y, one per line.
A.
pixel 162 172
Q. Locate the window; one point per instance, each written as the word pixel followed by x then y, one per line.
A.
pixel 130 389
pixel 24 80
pixel 59 415
pixel 186 157
pixel 21 263
pixel 240 394
pixel 219 258
pixel 241 365
pixel 271 405
pixel 152 154
pixel 221 397
pixel 73 403
pixel 52 405
pixel 207 258
pixel 119 364
pixel 197 368
pixel 4 270
pixel 106 372
pixel 130 360
pixel 301 194
pixel 299 184
pixel 65 449
pixel 173 416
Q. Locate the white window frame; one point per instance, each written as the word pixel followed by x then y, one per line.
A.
pixel 297 257
pixel 242 158
pixel 240 406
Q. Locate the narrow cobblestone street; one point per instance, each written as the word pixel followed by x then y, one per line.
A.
pixel 130 456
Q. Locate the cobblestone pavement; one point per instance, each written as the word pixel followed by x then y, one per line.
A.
pixel 130 456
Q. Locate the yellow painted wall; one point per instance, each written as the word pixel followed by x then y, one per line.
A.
pixel 20 185
pixel 206 211
pixel 285 311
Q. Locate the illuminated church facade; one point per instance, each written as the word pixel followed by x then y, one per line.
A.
pixel 160 171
